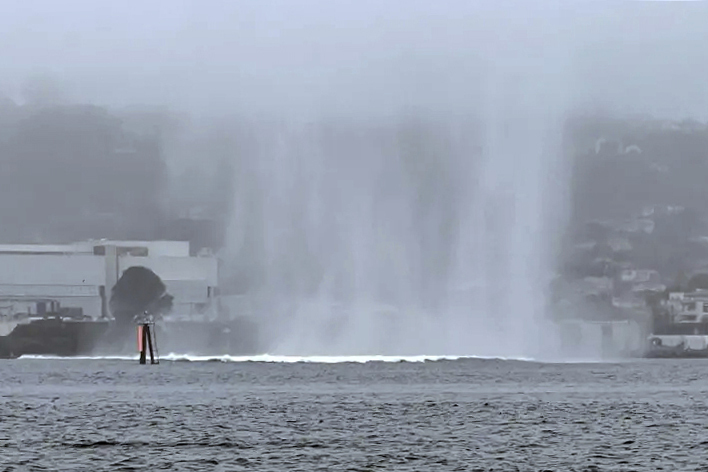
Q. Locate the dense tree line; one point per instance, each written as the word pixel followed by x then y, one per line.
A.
pixel 640 168
pixel 73 171
pixel 622 165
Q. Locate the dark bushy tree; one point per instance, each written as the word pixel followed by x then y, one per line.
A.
pixel 139 290
pixel 698 281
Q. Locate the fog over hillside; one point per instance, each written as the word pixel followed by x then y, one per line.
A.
pixel 379 176
pixel 343 57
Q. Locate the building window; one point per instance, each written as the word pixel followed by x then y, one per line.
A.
pixel 705 308
pixel 691 306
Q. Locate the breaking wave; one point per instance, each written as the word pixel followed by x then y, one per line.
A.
pixel 269 358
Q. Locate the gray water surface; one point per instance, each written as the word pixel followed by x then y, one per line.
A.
pixel 94 415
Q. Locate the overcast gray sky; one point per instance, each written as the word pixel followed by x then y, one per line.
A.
pixel 353 56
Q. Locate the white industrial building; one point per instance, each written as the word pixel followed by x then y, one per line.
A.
pixel 33 276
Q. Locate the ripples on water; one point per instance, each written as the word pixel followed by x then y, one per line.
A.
pixel 465 414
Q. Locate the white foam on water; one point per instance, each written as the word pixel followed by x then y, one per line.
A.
pixel 269 358
pixel 78 358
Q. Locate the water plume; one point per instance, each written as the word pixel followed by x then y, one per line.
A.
pixel 429 233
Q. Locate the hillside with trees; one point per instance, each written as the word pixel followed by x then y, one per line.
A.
pixel 73 171
pixel 639 219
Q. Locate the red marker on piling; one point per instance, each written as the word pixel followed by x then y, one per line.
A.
pixel 147 341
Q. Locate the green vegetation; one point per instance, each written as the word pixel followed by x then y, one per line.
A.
pixel 75 171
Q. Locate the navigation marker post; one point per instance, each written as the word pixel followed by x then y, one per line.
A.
pixel 147 341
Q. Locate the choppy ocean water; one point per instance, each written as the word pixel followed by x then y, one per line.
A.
pixel 274 414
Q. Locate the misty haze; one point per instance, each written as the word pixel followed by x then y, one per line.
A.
pixel 501 192
pixel 376 180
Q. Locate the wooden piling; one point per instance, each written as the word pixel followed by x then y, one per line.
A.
pixel 145 344
pixel 141 343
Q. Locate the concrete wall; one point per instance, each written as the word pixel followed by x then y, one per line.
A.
pixel 44 249
pixel 155 248
pixel 203 269
pixel 76 270
pixel 188 291
pixel 694 342
pixel 89 270
pixel 72 280
pixel 91 306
